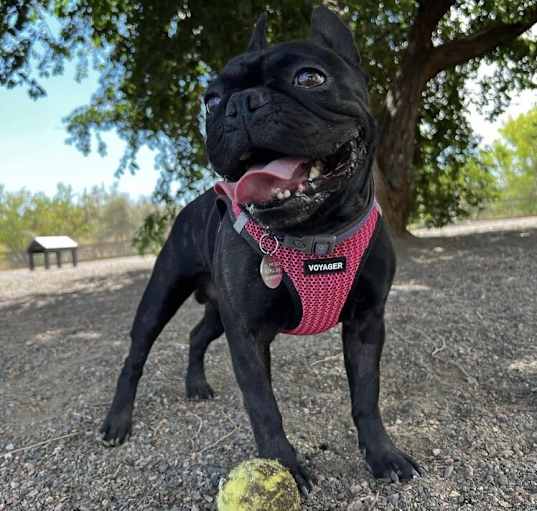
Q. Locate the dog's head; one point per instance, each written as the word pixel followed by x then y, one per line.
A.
pixel 288 126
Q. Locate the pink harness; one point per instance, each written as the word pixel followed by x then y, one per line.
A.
pixel 322 283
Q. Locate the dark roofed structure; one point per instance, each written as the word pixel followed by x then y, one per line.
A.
pixel 47 244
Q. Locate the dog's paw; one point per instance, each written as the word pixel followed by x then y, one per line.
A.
pixel 198 389
pixel 392 464
pixel 116 428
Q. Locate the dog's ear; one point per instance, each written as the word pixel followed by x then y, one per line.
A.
pixel 328 30
pixel 258 41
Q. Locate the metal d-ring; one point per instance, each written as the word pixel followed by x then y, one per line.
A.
pixel 264 236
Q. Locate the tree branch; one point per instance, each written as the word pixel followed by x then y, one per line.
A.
pixel 466 48
pixel 430 12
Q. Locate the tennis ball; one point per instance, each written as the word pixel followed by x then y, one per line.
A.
pixel 259 485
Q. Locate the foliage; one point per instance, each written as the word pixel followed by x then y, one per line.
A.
pixel 513 160
pixel 454 191
pixel 97 215
pixel 23 216
pixel 111 215
pixel 154 59
pixel 151 234
pixel 517 152
pixel 451 181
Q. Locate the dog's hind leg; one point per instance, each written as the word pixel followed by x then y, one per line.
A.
pixel 172 281
pixel 207 330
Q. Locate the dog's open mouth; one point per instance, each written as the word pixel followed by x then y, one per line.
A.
pixel 272 179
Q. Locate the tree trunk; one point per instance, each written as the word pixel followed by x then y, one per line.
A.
pixel 423 61
pixel 397 141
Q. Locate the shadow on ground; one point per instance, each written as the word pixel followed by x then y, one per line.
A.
pixel 459 390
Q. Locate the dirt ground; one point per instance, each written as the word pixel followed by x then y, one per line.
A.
pixel 459 390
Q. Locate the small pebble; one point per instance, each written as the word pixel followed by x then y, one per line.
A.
pixel 503 480
pixel 357 505
pixel 356 488
pixel 393 498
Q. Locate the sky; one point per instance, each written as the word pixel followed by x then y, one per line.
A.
pixel 34 155
pixel 33 152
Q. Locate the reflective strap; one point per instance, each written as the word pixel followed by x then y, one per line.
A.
pixel 240 222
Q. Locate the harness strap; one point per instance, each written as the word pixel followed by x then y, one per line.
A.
pixel 318 244
pixel 318 298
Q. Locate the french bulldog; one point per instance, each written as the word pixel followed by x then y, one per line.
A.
pixel 289 129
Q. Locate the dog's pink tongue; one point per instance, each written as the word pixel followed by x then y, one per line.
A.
pixel 260 184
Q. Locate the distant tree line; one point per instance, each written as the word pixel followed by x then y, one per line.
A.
pixel 499 180
pixel 93 216
pixel 513 160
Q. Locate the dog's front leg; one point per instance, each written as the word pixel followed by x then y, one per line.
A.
pixel 251 364
pixel 363 338
pixel 172 281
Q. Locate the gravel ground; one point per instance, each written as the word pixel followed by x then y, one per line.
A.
pixel 459 390
pixel 480 226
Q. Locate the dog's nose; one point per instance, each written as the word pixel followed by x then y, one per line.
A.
pixel 248 100
pixel 256 99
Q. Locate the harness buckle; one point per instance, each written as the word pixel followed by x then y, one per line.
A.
pixel 316 245
pixel 323 245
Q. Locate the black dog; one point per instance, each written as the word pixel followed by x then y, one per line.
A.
pixel 304 102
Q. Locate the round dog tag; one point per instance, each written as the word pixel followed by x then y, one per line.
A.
pixel 271 271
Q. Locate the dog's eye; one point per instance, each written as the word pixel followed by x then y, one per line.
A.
pixel 309 78
pixel 211 102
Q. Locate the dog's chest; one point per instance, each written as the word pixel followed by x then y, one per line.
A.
pixel 319 285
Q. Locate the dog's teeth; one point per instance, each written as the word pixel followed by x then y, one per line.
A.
pixel 315 171
pixel 287 194
pixel 280 195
